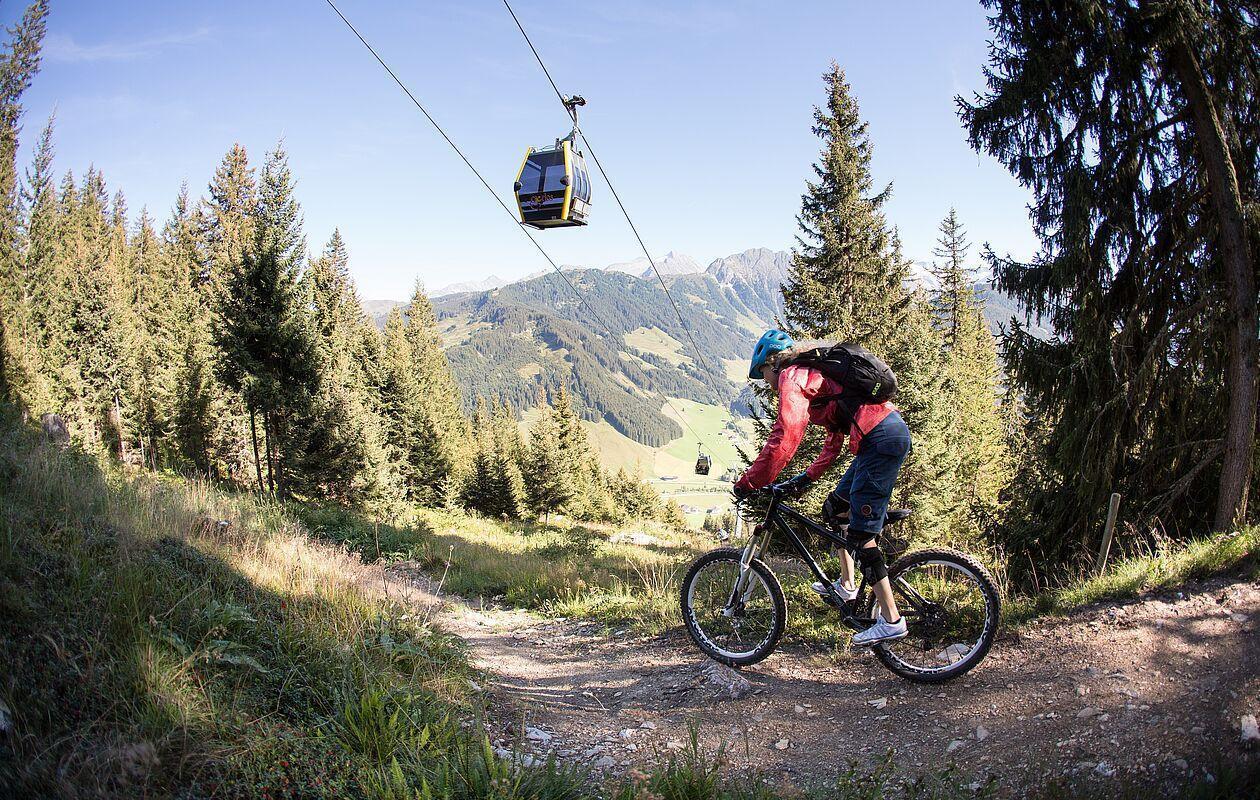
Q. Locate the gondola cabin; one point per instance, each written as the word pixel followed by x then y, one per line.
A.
pixel 703 464
pixel 553 188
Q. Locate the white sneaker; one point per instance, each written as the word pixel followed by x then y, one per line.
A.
pixel 837 587
pixel 881 631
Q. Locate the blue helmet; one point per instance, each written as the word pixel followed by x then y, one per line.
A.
pixel 771 342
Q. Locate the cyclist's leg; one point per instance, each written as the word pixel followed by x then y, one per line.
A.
pixel 839 515
pixel 879 460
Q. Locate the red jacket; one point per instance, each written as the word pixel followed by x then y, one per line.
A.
pixel 798 385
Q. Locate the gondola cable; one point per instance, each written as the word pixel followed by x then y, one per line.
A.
pixel 700 470
pixel 582 300
pixel 634 229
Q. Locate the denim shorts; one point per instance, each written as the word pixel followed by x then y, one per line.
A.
pixel 868 482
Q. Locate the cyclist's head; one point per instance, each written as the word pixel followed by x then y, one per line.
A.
pixel 771 342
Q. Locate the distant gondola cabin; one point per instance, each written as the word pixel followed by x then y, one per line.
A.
pixel 703 464
pixel 553 188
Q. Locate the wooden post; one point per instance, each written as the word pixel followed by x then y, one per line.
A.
pixel 1113 508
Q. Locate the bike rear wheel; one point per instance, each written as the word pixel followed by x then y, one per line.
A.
pixel 952 609
pixel 735 633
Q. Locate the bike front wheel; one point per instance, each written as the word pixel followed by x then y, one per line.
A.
pixel 951 606
pixel 735 625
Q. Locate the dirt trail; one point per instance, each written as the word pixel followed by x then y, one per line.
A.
pixel 1150 690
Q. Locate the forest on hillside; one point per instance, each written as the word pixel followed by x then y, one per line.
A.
pixel 213 343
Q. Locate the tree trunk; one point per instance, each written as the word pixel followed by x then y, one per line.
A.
pixel 118 428
pixel 4 364
pixel 1240 288
pixel 253 435
pixel 271 464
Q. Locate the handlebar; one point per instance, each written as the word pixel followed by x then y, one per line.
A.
pixel 772 491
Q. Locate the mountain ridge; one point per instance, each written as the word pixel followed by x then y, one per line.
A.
pixel 523 340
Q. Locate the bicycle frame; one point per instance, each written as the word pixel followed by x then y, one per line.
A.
pixel 777 517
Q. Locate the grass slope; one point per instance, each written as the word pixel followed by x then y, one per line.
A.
pixel 162 638
pixel 619 575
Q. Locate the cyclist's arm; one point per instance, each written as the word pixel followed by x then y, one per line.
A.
pixel 786 436
pixel 831 450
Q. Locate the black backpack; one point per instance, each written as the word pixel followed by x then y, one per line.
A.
pixel 866 379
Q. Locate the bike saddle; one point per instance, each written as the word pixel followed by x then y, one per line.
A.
pixel 896 515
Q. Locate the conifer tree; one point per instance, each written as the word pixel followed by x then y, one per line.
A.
pixel 345 456
pixel 46 282
pixel 575 451
pixel 19 62
pixel 100 336
pixel 439 393
pixel 480 489
pixel 508 484
pixel 264 332
pixel 1135 127
pixel 847 284
pixel 954 296
pixel 226 223
pixel 549 487
pixel 421 448
pixel 154 298
pixel 198 407
pixel 972 383
pixel 843 281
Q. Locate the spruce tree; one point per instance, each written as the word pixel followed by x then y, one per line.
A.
pixel 1135 127
pixel 548 487
pixel 842 283
pixel 46 282
pixel 19 62
pixel 198 407
pixel 345 456
pixel 479 491
pixel 421 448
pixel 264 332
pixel 847 284
pixel 954 295
pixel 154 298
pixel 226 223
pixel 580 462
pixel 100 336
pixel 508 483
pixel 440 394
pixel 972 385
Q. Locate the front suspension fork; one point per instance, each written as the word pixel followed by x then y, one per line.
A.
pixel 757 544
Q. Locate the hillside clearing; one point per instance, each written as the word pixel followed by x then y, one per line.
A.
pixel 659 343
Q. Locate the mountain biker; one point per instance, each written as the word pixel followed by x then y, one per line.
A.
pixel 879 439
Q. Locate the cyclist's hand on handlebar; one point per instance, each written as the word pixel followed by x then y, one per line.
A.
pixel 795 486
pixel 741 494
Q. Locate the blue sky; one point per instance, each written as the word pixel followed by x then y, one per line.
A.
pixel 701 113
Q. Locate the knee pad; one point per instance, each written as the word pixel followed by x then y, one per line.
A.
pixel 835 510
pixel 872 563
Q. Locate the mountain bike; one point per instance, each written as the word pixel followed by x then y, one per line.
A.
pixel 735 610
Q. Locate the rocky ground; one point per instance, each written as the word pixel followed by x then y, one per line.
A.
pixel 1152 692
